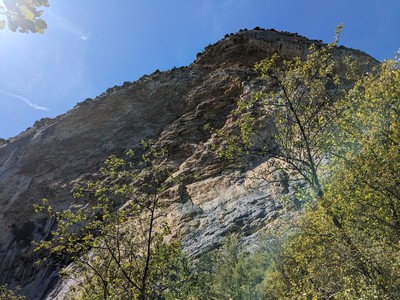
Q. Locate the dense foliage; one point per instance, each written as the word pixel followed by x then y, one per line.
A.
pixel 354 255
pixel 231 272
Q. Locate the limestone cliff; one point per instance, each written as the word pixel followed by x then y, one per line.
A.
pixel 172 108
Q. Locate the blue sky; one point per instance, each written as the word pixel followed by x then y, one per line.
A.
pixel 96 44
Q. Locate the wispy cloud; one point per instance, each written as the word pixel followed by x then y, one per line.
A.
pixel 27 101
pixel 85 37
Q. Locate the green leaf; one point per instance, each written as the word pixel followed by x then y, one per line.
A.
pixel 26 12
pixel 12 25
pixel 41 3
pixel 41 25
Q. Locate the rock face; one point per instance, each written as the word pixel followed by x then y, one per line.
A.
pixel 172 108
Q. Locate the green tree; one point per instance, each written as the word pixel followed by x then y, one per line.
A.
pixel 301 96
pixel 230 272
pixel 117 242
pixel 23 15
pixel 360 258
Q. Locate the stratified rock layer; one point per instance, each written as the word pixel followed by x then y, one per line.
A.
pixel 170 107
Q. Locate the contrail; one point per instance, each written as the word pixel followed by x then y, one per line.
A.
pixel 27 101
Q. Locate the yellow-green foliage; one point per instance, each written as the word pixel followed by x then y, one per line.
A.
pixel 301 96
pixel 346 247
pixel 116 242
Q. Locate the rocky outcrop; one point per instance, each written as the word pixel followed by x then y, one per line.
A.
pixel 172 108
